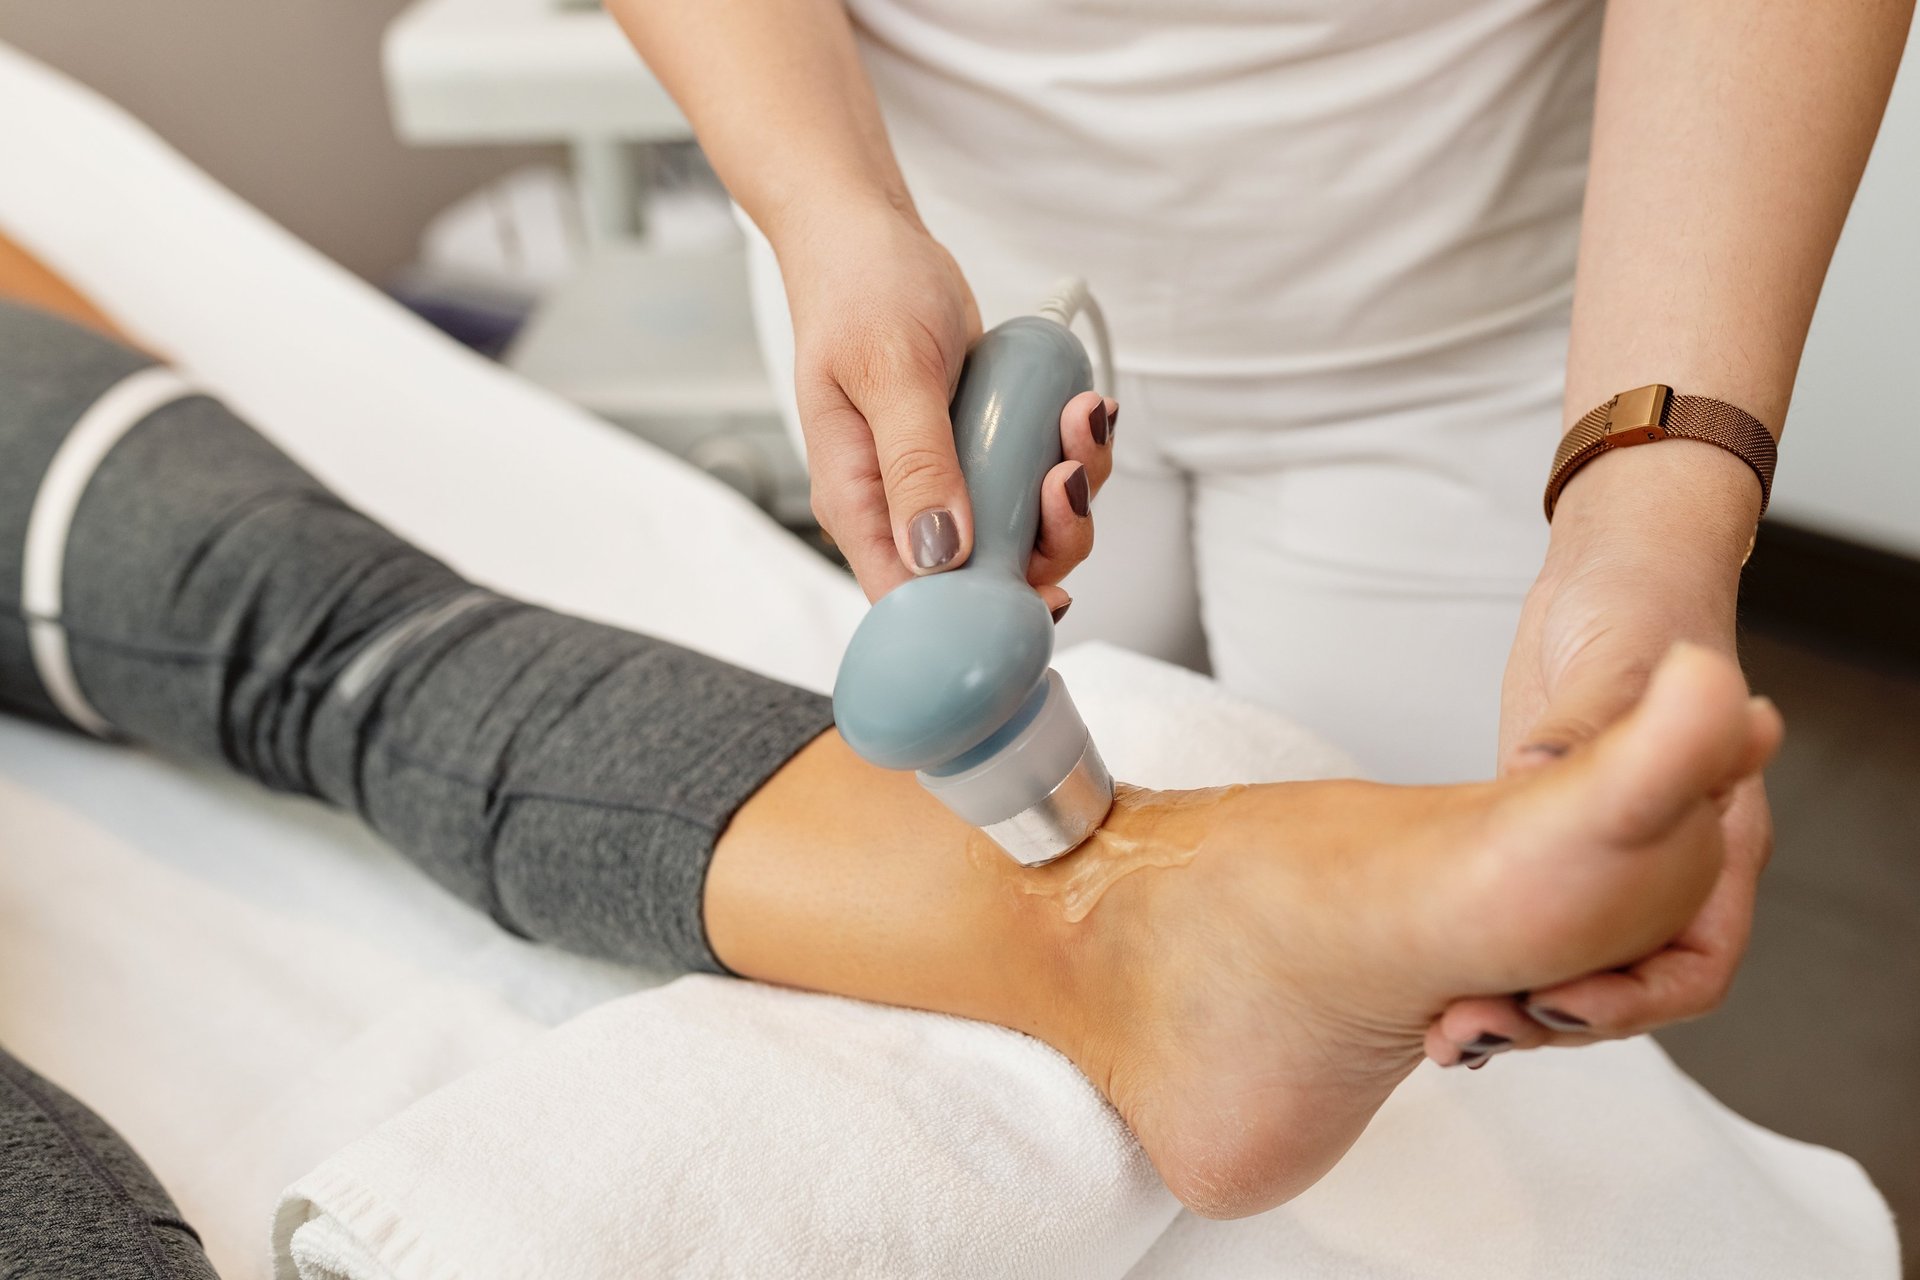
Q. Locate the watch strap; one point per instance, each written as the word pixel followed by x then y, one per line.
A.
pixel 1652 413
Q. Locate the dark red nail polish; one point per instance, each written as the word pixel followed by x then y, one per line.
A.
pixel 1473 1061
pixel 1079 497
pixel 1061 612
pixel 1099 424
pixel 1486 1043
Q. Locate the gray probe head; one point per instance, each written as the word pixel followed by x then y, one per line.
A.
pixel 948 673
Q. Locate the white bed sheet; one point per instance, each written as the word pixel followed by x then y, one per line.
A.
pixel 372 400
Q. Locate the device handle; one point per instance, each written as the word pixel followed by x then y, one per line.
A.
pixel 1006 429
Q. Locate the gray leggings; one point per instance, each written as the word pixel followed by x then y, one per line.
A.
pixel 214 600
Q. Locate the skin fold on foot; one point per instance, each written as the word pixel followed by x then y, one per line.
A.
pixel 1248 973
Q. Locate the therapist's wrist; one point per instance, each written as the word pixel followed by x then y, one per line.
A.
pixel 818 227
pixel 1676 509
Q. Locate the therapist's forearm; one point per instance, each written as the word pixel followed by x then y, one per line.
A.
pixel 776 91
pixel 1729 137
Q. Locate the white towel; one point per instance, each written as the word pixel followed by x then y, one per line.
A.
pixel 720 1128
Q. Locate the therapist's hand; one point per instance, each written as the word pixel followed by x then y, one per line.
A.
pixel 882 319
pixel 1646 551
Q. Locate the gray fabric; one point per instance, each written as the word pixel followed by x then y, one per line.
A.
pixel 46 378
pixel 74 1198
pixel 568 778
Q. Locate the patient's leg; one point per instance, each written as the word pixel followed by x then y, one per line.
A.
pixel 168 576
pixel 74 1198
pixel 1247 975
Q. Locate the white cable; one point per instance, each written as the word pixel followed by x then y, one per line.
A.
pixel 1070 299
pixel 125 405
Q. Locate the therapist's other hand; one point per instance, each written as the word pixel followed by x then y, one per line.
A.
pixel 1617 592
pixel 882 320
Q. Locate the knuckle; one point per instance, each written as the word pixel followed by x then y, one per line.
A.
pixel 824 509
pixel 1085 547
pixel 835 503
pixel 915 468
pixel 1699 999
pixel 828 421
pixel 920 360
pixel 1713 993
pixel 902 363
pixel 1068 554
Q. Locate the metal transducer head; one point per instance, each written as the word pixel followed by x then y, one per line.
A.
pixel 948 674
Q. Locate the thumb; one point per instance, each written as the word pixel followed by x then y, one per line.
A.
pixel 1576 712
pixel 926 495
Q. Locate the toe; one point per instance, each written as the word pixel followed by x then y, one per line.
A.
pixel 1601 859
pixel 1691 736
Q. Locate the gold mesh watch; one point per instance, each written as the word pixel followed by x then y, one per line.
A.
pixel 1651 413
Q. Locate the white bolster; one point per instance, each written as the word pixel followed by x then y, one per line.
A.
pixel 125 404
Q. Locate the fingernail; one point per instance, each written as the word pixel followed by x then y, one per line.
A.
pixel 1078 496
pixel 1556 1019
pixel 1061 612
pixel 1099 423
pixel 1473 1061
pixel 1480 1062
pixel 934 537
pixel 1487 1043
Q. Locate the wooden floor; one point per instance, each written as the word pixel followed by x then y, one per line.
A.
pixel 1821 1037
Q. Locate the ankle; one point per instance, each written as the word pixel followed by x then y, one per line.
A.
pixel 1105 926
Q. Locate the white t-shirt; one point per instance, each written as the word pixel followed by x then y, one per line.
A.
pixel 1251 186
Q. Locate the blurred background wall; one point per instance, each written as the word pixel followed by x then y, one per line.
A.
pixel 281 100
pixel 1852 460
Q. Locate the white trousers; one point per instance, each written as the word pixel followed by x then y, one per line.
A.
pixel 1350 546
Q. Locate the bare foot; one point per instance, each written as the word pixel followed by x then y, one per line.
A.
pixel 1250 1011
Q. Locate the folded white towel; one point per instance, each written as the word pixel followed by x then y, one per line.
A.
pixel 720 1128
pixel 658 1135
